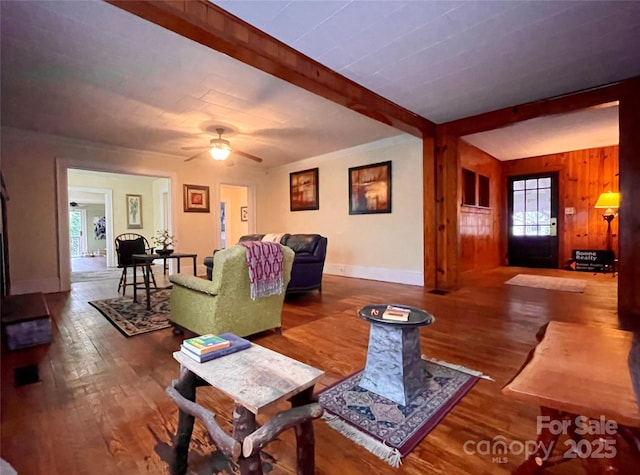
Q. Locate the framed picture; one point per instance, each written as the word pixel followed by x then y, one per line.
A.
pixel 134 211
pixel 303 190
pixel 244 213
pixel 196 199
pixel 370 189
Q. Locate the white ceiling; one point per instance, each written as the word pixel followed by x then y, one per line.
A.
pixel 446 60
pixel 589 128
pixel 91 71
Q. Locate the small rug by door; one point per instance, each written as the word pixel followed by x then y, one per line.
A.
pixel 96 275
pixel 546 282
pixel 133 318
pixel 387 429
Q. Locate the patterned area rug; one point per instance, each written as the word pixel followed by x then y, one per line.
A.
pixel 385 428
pixel 551 283
pixel 133 318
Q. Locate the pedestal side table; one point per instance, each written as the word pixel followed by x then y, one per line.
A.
pixel 394 362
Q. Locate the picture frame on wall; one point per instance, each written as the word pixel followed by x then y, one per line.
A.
pixel 370 188
pixel 134 211
pixel 196 199
pixel 303 190
pixel 244 213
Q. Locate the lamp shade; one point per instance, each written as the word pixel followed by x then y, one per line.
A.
pixel 608 200
pixel 219 153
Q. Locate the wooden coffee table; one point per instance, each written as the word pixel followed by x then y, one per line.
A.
pixel 256 379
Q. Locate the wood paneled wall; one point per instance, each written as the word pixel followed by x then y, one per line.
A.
pixel 583 175
pixel 629 266
pixel 481 230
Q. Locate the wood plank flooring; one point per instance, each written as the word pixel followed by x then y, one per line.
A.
pixel 101 406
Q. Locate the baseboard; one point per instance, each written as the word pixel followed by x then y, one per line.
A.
pixel 400 276
pixel 46 286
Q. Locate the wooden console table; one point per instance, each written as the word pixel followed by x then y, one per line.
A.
pixel 256 379
pixel 146 260
pixel 579 370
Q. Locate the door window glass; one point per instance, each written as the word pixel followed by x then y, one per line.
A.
pixel 531 207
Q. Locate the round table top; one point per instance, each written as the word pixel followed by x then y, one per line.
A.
pixel 417 316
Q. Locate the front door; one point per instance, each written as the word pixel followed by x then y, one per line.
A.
pixel 533 212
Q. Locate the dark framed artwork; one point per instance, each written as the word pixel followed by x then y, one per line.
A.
pixel 134 211
pixel 370 188
pixel 196 199
pixel 244 213
pixel 303 190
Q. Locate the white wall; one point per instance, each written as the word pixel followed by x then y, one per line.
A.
pixel 121 186
pixel 30 162
pixel 387 247
pixel 383 247
pixel 93 244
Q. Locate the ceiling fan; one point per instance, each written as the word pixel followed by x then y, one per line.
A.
pixel 219 149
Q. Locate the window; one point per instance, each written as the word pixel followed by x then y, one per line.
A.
pixel 532 207
pixel 468 187
pixel 475 189
pixel 483 191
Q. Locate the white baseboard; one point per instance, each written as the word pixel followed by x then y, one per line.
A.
pixel 46 286
pixel 400 276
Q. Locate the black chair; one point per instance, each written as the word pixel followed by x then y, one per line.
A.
pixel 128 244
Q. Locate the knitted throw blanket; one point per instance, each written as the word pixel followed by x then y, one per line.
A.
pixel 266 275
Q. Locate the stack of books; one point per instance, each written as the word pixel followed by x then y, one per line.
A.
pixel 396 314
pixel 204 348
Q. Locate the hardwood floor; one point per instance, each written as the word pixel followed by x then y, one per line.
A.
pixel 100 406
pixel 85 264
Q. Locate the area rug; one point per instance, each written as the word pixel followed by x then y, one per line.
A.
pixel 387 429
pixel 551 283
pixel 133 318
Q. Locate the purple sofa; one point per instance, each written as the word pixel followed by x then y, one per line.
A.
pixel 308 263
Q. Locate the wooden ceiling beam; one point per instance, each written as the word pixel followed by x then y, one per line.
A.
pixel 555 105
pixel 211 26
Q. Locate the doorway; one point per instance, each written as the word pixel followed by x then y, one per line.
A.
pixel 114 182
pixel 234 213
pixel 533 225
pixel 77 235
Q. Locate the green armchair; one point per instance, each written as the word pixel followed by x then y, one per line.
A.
pixel 224 303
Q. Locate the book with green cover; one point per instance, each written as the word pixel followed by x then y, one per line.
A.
pixel 203 344
pixel 236 344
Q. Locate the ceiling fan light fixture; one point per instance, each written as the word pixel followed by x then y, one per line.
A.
pixel 220 151
pixel 220 148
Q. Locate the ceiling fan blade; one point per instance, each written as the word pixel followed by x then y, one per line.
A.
pixel 195 148
pixel 248 155
pixel 193 156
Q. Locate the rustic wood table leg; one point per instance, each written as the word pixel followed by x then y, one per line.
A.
pixel 244 423
pixel 601 458
pixel 545 442
pixel 186 386
pixel 305 452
